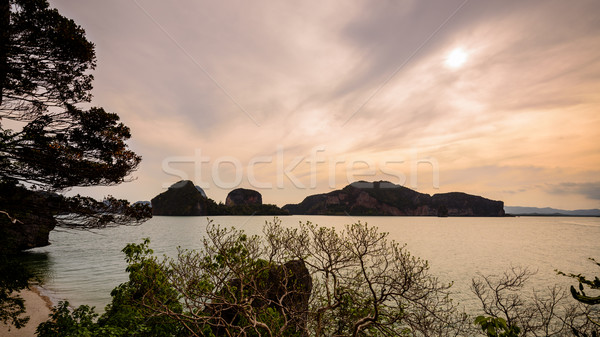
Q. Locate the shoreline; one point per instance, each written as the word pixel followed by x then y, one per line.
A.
pixel 37 307
pixel 38 291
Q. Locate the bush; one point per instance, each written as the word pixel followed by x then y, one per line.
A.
pixel 290 282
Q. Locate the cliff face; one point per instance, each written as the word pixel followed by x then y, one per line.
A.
pixel 22 229
pixel 182 198
pixel 242 196
pixel 385 198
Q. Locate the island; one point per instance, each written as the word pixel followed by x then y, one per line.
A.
pixel 388 199
pixel 186 199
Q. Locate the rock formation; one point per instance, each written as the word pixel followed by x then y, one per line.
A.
pixel 462 204
pixel 385 198
pixel 185 199
pixel 285 288
pixel 182 198
pixel 242 196
pixel 24 228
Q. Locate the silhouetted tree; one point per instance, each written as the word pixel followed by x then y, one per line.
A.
pixel 510 312
pixel 53 144
pixel 48 143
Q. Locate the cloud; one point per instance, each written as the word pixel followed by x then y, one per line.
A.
pixel 590 190
pixel 522 111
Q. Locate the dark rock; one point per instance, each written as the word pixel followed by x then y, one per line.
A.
pixel 385 198
pixel 21 228
pixel 185 199
pixel 181 199
pixel 242 196
pixel 462 204
pixel 286 289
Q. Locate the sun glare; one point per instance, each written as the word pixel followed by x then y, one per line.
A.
pixel 456 58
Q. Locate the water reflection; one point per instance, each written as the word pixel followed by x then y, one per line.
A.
pixel 38 264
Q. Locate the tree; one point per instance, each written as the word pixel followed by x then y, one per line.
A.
pixel 510 312
pixel 309 281
pixel 587 299
pixel 48 142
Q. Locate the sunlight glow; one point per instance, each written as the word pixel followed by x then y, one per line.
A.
pixel 456 58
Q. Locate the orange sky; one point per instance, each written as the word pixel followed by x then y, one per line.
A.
pixel 299 98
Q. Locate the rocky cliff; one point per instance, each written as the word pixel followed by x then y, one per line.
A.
pixel 242 196
pixel 385 198
pixel 22 229
pixel 182 198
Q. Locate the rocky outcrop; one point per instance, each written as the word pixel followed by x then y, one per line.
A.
pixel 185 199
pixel 181 199
pixel 284 288
pixel 385 198
pixel 242 196
pixel 20 228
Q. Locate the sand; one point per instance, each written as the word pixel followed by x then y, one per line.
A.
pixel 38 309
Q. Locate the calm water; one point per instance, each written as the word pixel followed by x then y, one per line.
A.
pixel 84 266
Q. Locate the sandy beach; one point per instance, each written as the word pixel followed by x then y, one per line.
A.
pixel 38 309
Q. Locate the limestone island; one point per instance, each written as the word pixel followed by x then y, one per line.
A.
pixel 385 198
pixel 185 199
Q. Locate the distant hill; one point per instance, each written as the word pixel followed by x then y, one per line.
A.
pixel 517 210
pixel 385 198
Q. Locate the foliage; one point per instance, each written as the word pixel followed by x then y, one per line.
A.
pixel 362 283
pixel 123 317
pixel 592 284
pixel 509 311
pixel 66 323
pixel 357 283
pixel 48 143
pixel 497 327
pixel 365 284
pixel 13 277
pixel 590 300
pixel 56 145
pixel 134 320
pixel 214 208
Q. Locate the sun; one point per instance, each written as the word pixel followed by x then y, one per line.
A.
pixel 456 58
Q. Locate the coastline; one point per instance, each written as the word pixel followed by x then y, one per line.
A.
pixel 37 308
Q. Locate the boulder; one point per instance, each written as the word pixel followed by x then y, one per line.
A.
pixel 20 228
pixel 242 196
pixel 285 288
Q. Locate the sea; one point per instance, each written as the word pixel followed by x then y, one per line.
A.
pixel 83 266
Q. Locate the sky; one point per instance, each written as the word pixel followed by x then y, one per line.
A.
pixel 494 98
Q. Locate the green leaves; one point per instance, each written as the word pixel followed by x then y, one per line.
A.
pixel 497 327
pixel 584 298
pixel 63 322
pixel 294 282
